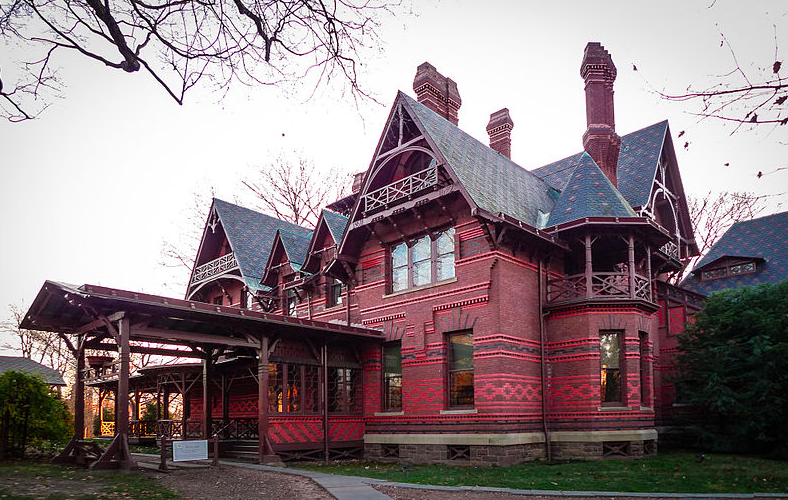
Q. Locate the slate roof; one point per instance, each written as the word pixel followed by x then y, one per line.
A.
pixel 27 365
pixel 492 180
pixel 296 246
pixel 336 224
pixel 588 193
pixel 637 164
pixel 763 238
pixel 251 236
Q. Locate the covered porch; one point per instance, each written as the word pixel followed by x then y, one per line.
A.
pixel 290 387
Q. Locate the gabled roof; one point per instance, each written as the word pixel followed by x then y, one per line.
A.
pixel 493 181
pixel 762 238
pixel 637 164
pixel 27 365
pixel 588 193
pixel 251 236
pixel 295 246
pixel 336 224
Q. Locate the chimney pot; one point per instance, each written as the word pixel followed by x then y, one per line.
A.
pixel 437 92
pixel 500 131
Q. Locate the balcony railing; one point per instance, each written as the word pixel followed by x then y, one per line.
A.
pixel 175 428
pixel 142 428
pixel 235 428
pixel 107 428
pixel 614 285
pixel 214 267
pixel 402 188
pixel 671 249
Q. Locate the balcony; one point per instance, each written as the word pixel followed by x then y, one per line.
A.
pixel 602 286
pixel 671 249
pixel 402 188
pixel 213 268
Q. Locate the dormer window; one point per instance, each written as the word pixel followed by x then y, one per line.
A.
pixel 735 269
pixel 336 290
pixel 422 261
pixel 290 303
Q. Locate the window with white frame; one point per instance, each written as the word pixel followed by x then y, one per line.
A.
pixel 422 261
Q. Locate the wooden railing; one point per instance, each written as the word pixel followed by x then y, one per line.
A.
pixel 603 285
pixel 175 428
pixel 235 428
pixel 142 428
pixel 107 428
pixel 401 188
pixel 214 267
pixel 671 249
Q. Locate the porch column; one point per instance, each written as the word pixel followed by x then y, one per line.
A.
pixel 207 393
pixel 102 396
pixel 631 253
pixel 79 392
pixel 265 452
pixel 589 268
pixel 225 405
pixel 122 399
pixel 187 406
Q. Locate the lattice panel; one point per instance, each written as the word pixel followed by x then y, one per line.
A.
pixel 346 430
pixel 295 430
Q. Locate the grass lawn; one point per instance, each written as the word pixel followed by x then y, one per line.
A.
pixel 25 480
pixel 670 472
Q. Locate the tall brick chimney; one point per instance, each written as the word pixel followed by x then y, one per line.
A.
pixel 600 139
pixel 437 92
pixel 500 131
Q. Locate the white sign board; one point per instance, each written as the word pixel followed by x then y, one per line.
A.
pixel 189 450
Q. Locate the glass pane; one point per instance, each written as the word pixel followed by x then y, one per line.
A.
pixel 393 392
pixel 421 249
pixel 335 387
pixel 311 388
pixel 611 385
pixel 399 255
pixel 461 388
pixel 293 388
pixel 609 350
pixel 461 352
pixel 445 242
pixel 392 358
pixel 422 273
pixel 445 267
pixel 399 279
pixel 275 388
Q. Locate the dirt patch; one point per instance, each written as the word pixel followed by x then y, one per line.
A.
pixel 235 483
pixel 42 487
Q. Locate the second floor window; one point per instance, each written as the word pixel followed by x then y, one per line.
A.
pixel 423 261
pixel 336 291
pixel 290 303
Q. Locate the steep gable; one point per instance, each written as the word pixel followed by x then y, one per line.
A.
pixel 637 162
pixel 764 239
pixel 588 193
pixel 493 181
pixel 336 224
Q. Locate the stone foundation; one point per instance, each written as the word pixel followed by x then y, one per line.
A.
pixel 503 450
pixel 470 455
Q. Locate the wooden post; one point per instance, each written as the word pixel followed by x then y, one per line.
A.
pixel 215 461
pixel 324 397
pixel 79 392
pixel 225 404
pixel 265 452
pixel 207 393
pixel 631 254
pixel 187 407
pixel 589 268
pixel 122 402
pixel 163 454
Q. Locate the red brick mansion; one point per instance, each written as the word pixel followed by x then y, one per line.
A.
pixel 455 307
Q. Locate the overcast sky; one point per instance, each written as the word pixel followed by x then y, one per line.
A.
pixel 92 187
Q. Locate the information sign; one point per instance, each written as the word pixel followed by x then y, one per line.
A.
pixel 189 450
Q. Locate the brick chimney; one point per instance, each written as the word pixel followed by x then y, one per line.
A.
pixel 437 92
pixel 500 131
pixel 600 139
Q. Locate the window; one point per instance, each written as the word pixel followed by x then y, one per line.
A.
pixel 644 388
pixel 344 390
pixel 610 365
pixel 392 376
pixel 336 290
pixel 731 270
pixel 292 388
pixel 422 261
pixel 460 369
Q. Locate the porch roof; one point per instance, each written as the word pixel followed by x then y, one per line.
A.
pixel 68 309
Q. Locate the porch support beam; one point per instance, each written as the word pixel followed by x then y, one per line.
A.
pixel 207 394
pixel 324 400
pixel 265 453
